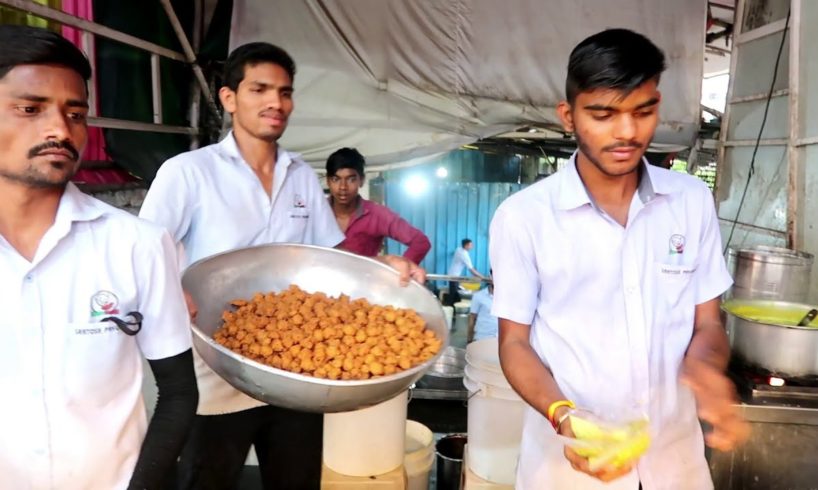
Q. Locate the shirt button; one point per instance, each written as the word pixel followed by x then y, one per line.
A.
pixel 29 278
pixel 39 452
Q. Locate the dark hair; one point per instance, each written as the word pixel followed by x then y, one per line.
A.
pixel 25 45
pixel 252 54
pixel 345 158
pixel 616 59
pixel 465 242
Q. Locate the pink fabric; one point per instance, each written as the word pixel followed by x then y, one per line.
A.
pixel 95 149
pixel 373 222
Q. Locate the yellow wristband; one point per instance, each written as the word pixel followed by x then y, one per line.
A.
pixel 553 408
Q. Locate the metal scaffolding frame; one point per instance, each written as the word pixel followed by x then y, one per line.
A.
pixel 89 29
pixel 793 131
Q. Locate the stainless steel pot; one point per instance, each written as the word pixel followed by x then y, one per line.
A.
pixel 787 350
pixel 215 281
pixel 770 273
pixel 447 372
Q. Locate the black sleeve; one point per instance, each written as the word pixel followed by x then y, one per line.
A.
pixel 171 422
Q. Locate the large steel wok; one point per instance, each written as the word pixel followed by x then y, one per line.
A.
pixel 215 281
pixel 773 343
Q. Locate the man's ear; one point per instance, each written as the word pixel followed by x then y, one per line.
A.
pixel 228 99
pixel 566 116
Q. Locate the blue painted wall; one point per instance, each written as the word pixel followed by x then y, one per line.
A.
pixel 448 212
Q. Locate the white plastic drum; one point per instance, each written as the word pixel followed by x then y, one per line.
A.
pixel 495 415
pixel 366 442
pixel 420 455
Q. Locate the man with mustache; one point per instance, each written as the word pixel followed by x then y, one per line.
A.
pixel 620 313
pixel 247 190
pixel 86 291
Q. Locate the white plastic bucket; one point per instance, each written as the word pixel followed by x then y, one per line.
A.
pixel 462 307
pixel 495 415
pixel 449 312
pixel 366 442
pixel 419 456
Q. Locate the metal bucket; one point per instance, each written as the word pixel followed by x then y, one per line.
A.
pixel 447 372
pixel 770 273
pixel 449 450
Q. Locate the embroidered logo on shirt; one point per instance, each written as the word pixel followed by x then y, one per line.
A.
pixel 104 303
pixel 298 201
pixel 677 244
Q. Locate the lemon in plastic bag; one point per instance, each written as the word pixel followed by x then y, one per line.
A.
pixel 606 444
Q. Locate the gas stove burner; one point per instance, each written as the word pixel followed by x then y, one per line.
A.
pixel 760 376
pixel 758 386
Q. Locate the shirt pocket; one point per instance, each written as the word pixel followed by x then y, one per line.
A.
pixel 674 285
pixel 297 220
pixel 98 363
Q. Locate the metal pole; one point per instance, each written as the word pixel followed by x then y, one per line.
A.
pixel 86 25
pixel 721 166
pixel 191 56
pixel 196 91
pixel 87 41
pixel 108 123
pixel 796 156
pixel 156 89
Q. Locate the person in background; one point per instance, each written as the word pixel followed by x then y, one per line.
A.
pixel 86 291
pixel 243 191
pixel 366 224
pixel 482 324
pixel 619 314
pixel 461 262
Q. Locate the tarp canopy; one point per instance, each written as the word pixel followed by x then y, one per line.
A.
pixel 401 79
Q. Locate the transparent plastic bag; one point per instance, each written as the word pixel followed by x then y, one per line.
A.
pixel 606 442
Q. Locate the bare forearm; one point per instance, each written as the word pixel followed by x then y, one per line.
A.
pixel 527 374
pixel 476 273
pixel 710 344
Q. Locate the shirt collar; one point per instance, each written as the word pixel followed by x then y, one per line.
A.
pixel 229 149
pixel 77 206
pixel 361 209
pixel 573 194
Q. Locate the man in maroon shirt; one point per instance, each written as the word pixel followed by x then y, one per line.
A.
pixel 364 222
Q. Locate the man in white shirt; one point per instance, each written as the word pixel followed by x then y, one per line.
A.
pixel 620 311
pixel 244 191
pixel 482 324
pixel 86 290
pixel 461 262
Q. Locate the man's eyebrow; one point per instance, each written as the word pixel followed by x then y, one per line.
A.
pixel 39 99
pixel 77 103
pixel 265 85
pixel 648 103
pixel 31 97
pixel 600 107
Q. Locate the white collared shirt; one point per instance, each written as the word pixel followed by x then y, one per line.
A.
pixel 461 261
pixel 211 201
pixel 485 325
pixel 72 415
pixel 612 312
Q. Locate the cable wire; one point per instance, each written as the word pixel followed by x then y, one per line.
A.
pixel 760 131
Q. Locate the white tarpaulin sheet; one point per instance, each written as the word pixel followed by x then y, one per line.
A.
pixel 400 79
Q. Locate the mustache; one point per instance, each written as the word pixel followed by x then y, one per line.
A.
pixel 624 144
pixel 54 145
